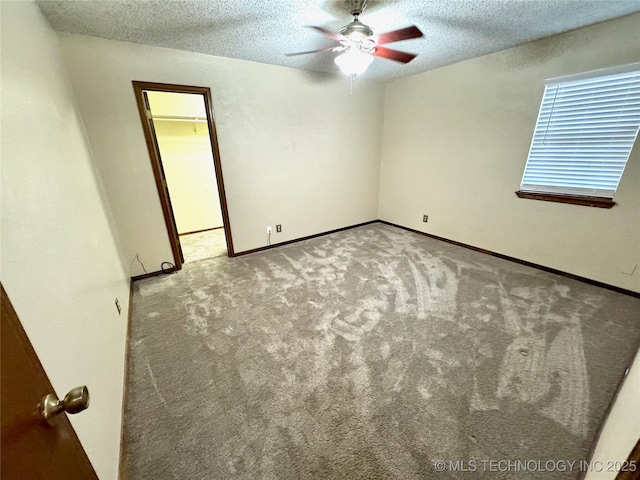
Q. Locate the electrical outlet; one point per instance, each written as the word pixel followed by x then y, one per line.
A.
pixel 278 228
pixel 268 228
pixel 425 218
pixel 118 307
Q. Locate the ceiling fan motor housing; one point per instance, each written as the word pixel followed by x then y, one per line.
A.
pixel 358 45
pixel 356 29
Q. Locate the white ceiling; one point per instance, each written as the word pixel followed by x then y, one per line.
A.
pixel 264 30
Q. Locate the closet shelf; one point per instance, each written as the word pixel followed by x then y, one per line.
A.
pixel 167 118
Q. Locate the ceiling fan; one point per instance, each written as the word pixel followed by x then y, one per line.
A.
pixel 359 45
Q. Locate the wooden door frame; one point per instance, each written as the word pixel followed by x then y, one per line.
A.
pixel 156 160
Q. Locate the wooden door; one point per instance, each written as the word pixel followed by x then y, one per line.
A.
pixel 30 448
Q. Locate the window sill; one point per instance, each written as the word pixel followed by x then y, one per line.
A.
pixel 599 202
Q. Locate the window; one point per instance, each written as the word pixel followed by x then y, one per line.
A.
pixel 586 128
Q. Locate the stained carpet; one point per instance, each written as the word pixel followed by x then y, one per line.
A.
pixel 368 353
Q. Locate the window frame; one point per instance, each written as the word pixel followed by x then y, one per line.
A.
pixel 567 197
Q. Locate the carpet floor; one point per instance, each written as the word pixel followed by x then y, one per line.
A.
pixel 201 245
pixel 368 353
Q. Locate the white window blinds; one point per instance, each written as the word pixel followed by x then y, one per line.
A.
pixel 585 131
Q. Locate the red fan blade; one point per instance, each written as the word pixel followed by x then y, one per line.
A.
pixel 325 31
pixel 397 35
pixel 310 51
pixel 395 55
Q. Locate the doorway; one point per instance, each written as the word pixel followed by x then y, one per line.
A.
pixel 181 138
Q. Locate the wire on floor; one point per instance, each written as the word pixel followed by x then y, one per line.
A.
pixel 171 269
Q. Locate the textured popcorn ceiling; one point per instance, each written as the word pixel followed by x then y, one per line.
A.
pixel 264 30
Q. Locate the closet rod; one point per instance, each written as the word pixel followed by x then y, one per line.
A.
pixel 179 119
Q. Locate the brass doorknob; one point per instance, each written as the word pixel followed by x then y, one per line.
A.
pixel 75 401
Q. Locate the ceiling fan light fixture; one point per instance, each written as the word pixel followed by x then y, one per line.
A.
pixel 354 61
pixel 358 45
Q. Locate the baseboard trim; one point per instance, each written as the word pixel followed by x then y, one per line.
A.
pixel 301 239
pixel 153 274
pixel 521 262
pixel 200 231
pixel 122 469
pixel 527 263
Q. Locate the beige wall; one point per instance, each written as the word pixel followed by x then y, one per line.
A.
pixel 295 148
pixel 188 165
pixel 60 263
pixel 456 141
